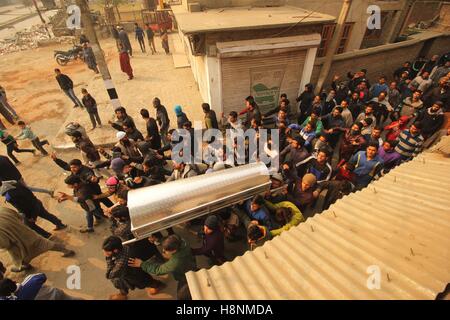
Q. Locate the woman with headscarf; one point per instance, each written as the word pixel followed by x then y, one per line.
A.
pixel 181 116
pixel 125 65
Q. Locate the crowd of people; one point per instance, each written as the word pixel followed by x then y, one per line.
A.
pixel 330 144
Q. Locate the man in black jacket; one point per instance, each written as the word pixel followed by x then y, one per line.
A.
pixel 210 117
pixel 152 130
pixel 305 101
pixel 29 206
pixel 122 276
pixel 86 175
pixel 8 171
pixel 83 194
pixel 91 107
pixel 122 117
pixel 132 132
pixel 66 85
pixel 162 118
pixel 431 119
pixel 213 241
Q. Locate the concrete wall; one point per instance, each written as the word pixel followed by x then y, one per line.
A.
pixel 203 69
pixel 383 59
pixel 423 11
pixel 198 67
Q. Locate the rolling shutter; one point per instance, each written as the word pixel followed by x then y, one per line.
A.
pixel 237 76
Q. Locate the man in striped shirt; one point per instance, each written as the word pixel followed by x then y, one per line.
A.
pixel 410 141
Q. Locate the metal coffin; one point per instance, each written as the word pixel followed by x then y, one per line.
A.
pixel 156 208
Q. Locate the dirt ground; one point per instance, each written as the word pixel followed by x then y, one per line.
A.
pixel 31 88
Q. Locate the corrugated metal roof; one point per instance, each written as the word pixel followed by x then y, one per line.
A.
pixel 400 223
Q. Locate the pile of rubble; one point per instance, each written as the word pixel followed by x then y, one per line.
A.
pixel 29 39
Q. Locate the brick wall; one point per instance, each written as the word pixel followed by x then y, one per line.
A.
pixel 423 11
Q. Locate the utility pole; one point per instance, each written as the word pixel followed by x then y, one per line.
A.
pixel 89 29
pixel 331 50
pixel 42 18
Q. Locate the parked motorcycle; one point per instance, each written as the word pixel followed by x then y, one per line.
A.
pixel 63 57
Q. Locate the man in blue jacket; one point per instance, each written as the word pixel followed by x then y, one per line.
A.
pixel 257 211
pixel 27 290
pixel 32 288
pixel 139 36
pixel 367 165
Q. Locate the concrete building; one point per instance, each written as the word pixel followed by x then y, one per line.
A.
pixel 239 51
pixel 263 48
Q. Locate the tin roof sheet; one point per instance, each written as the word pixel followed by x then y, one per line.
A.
pixel 399 224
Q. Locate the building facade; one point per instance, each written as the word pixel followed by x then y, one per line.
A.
pixel 264 48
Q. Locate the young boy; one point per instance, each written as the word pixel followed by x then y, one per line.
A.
pixel 28 134
pixel 11 145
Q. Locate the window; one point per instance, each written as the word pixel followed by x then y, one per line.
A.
pixel 345 36
pixel 373 34
pixel 327 35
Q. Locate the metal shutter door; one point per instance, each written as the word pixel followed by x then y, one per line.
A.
pixel 236 78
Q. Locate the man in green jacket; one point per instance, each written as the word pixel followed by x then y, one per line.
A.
pixel 179 261
pixel 286 214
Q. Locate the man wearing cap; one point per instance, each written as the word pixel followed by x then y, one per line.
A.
pixel 213 241
pixel 303 192
pixel 115 187
pixel 128 148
